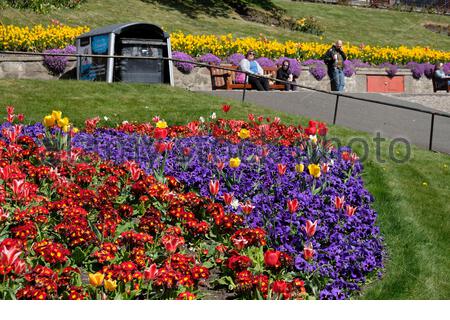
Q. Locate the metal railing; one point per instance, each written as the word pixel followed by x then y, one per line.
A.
pixel 247 75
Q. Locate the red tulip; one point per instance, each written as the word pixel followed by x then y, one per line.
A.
pixel 160 133
pixel 214 187
pixel 227 198
pixel 186 151
pixel 169 145
pixel 339 202
pixel 345 156
pixel 260 118
pixel 220 165
pixel 272 258
pixel 3 215
pixel 91 124
pixel 5 173
pixel 311 131
pixel 135 172
pixel 160 147
pixel 240 242
pixel 308 251
pixel 210 157
pixel 265 152
pixel 151 273
pixel 9 256
pixel 325 167
pixel 247 208
pixel 251 117
pixel 172 244
pixel 226 108
pixel 20 117
pixel 349 210
pixel 9 109
pixel 155 119
pixel 18 187
pixel 292 205
pixel 310 228
pixel 193 127
pixel 313 123
pixel 281 168
pixel 322 129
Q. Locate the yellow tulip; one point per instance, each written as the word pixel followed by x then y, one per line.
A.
pixel 110 285
pixel 63 122
pixel 299 167
pixel 49 121
pixel 75 130
pixel 235 162
pixel 56 115
pixel 244 134
pixel 161 124
pixel 96 279
pixel 314 170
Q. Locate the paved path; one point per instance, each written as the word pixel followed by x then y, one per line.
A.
pixel 391 122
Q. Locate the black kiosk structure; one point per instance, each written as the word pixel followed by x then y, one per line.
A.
pixel 136 39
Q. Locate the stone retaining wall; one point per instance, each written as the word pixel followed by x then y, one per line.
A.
pixel 26 67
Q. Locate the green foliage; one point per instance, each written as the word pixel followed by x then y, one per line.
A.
pixel 41 6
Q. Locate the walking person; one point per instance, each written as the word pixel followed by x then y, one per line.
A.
pixel 283 73
pixel 334 59
pixel 248 64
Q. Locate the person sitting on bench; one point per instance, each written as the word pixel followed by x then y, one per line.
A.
pixel 442 81
pixel 248 64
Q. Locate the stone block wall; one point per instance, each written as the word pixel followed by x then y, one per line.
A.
pixel 26 67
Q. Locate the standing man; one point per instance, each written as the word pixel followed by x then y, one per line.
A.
pixel 334 59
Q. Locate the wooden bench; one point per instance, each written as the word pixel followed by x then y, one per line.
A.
pixel 225 79
pixel 444 86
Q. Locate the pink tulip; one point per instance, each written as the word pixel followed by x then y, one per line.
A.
pixel 220 165
pixel 9 256
pixel 349 210
pixel 151 273
pixel 214 187
pixel 281 169
pixel 292 205
pixel 310 228
pixel 247 208
pixel 339 202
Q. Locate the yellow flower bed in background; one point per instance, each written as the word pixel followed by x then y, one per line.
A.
pixel 40 38
pixel 225 45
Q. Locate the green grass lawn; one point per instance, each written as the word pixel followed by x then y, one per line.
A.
pixel 411 198
pixel 356 25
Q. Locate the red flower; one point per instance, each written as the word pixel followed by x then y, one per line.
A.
pixel 151 273
pixel 281 287
pixel 281 168
pixel 292 205
pixel 308 251
pixel 345 156
pixel 310 228
pixel 214 187
pixel 160 133
pixel 349 210
pixel 186 296
pixel 339 202
pixel 272 258
pixel 247 208
pixel 161 147
pixel 220 165
pixel 322 129
pixel 186 151
pixel 227 198
pixel 226 108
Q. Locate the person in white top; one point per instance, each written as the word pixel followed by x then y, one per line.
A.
pixel 248 64
pixel 442 80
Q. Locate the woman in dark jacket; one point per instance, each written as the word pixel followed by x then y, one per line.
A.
pixel 283 73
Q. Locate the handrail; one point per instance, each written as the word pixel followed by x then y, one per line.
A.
pixel 247 74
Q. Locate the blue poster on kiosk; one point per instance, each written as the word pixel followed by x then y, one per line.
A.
pixel 95 68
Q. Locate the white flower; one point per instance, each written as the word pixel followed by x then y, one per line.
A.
pixel 124 122
pixel 213 115
pixel 313 138
pixel 202 120
pixel 106 118
pixel 235 203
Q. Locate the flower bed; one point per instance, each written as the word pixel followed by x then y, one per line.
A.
pixel 291 211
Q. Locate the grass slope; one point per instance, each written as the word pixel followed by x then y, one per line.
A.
pixel 413 217
pixel 356 25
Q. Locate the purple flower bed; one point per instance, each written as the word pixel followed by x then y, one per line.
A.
pixel 349 68
pixel 58 64
pixel 317 68
pixel 417 69
pixel 235 58
pixel 348 248
pixel 391 69
pixel 184 67
pixel 428 70
pixel 210 58
pixel 265 62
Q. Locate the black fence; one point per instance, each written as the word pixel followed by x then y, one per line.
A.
pixel 434 116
